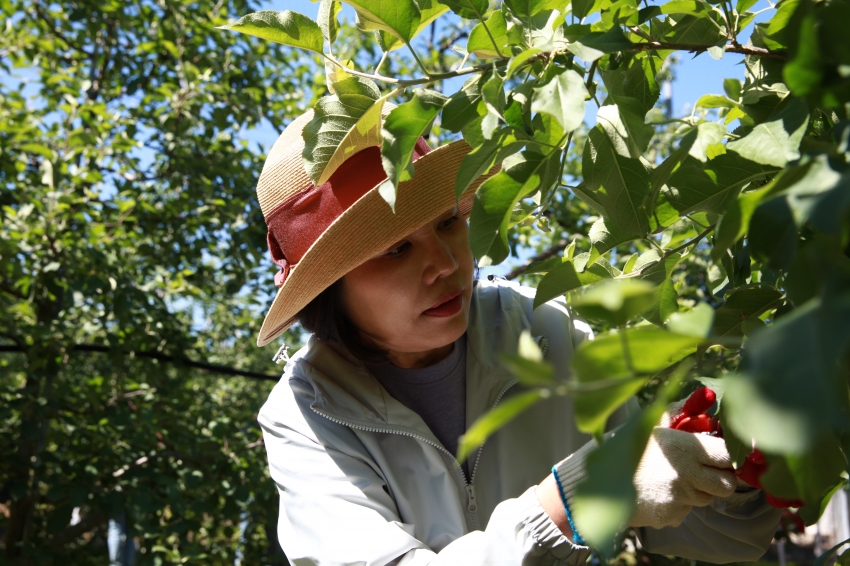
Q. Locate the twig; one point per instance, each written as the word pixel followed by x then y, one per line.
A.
pixel 692 241
pixel 544 255
pixel 418 60
pixel 414 82
pixel 590 73
pixel 177 360
pixel 730 48
pixel 492 39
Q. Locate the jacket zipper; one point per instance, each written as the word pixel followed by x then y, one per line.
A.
pixel 471 504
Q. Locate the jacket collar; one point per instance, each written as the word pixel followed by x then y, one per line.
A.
pixel 345 391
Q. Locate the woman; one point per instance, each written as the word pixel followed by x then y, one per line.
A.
pixel 361 431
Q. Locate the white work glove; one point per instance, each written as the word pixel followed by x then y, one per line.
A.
pixel 678 471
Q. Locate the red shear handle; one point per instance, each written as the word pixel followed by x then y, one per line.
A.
pixel 694 418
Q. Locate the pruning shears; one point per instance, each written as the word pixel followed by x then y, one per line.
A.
pixel 695 417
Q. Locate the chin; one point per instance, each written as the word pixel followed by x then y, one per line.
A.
pixel 451 328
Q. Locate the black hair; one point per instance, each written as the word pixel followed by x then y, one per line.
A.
pixel 326 319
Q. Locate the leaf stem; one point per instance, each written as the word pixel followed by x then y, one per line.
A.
pixel 590 73
pixel 418 60
pixel 381 62
pixel 492 39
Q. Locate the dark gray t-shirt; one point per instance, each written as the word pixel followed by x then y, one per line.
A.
pixel 436 393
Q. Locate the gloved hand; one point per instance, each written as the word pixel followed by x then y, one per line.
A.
pixel 691 416
pixel 678 470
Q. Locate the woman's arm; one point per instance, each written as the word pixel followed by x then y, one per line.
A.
pixel 336 510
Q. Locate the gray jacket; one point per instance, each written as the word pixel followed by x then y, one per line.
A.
pixel 363 481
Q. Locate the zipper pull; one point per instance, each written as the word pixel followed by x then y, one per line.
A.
pixel 282 354
pixel 471 506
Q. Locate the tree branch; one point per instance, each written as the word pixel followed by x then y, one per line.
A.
pixel 692 241
pixel 544 255
pixel 730 48
pixel 165 358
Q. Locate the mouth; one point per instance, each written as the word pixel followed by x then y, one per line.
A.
pixel 449 305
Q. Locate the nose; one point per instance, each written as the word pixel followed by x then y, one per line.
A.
pixel 440 260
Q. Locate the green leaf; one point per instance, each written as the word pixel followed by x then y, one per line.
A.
pixel 742 6
pixel 709 187
pixel 401 18
pixel 743 304
pixel 566 277
pixel 657 271
pixel 481 159
pixel 403 127
pixel 329 19
pixel 626 127
pixel 495 419
pixel 781 25
pixel 651 350
pixel 619 184
pixel 287 27
pixel 469 9
pixel 529 372
pixel 695 30
pixel 615 301
pixel 38 149
pixel 518 60
pixel 480 42
pixel 463 106
pixel 736 222
pixel 524 9
pixel 636 81
pixel 582 8
pixel 792 389
pixel 732 88
pixel 716 101
pixel 777 141
pixel 594 45
pixel 708 143
pixel 594 407
pixel 693 7
pixel 824 558
pixel 814 476
pixel 773 233
pixel 342 125
pixel 562 98
pixel 603 239
pixel 695 322
pixel 497 196
pixel 820 197
pixel 430 10
pixel 528 366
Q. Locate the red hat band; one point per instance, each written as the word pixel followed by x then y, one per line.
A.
pixel 296 223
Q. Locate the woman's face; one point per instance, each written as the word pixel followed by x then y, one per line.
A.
pixel 413 299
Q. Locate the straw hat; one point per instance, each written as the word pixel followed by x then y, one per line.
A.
pixel 318 234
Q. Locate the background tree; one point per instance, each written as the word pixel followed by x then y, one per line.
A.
pixel 130 244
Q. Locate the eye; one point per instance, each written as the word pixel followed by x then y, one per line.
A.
pixel 448 222
pixel 395 252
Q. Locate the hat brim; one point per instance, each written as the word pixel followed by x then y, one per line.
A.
pixel 367 228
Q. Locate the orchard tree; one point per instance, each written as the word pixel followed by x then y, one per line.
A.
pixel 724 260
pixel 128 232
